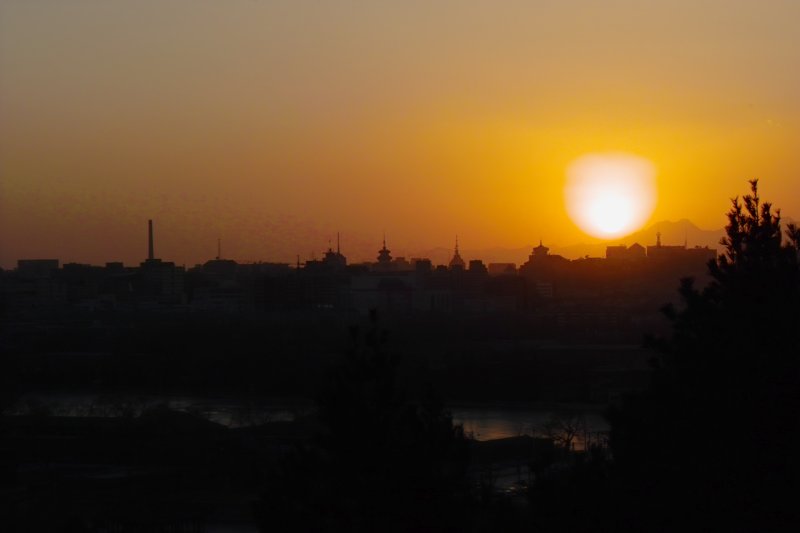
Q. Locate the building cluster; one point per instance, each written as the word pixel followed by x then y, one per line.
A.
pixel 626 275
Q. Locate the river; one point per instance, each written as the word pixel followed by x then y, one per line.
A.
pixel 480 421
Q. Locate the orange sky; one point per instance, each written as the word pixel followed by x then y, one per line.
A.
pixel 274 124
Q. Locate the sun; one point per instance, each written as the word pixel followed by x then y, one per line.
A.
pixel 610 195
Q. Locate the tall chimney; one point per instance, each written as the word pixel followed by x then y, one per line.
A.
pixel 150 255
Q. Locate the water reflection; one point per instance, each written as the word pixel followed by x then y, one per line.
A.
pixel 481 422
pixel 230 412
pixel 490 423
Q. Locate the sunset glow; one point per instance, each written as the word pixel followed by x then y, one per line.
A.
pixel 281 265
pixel 273 126
pixel 610 195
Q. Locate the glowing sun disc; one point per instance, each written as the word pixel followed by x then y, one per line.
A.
pixel 610 195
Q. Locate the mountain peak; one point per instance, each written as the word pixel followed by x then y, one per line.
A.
pixel 677 232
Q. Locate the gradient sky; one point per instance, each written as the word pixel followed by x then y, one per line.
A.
pixel 275 124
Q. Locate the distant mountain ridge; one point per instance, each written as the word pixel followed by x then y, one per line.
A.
pixel 679 232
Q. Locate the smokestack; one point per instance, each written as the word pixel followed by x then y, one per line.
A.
pixel 150 255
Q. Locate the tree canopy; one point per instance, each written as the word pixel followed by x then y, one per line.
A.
pixel 714 440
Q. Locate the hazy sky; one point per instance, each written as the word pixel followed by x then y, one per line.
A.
pixel 275 124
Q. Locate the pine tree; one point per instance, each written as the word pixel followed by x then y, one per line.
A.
pixel 713 442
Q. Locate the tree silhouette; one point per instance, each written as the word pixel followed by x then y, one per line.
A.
pixel 388 457
pixel 713 443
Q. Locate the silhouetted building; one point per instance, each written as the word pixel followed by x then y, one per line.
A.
pixel 702 254
pixel 661 252
pixel 422 265
pixel 400 264
pixel 476 266
pixel 384 263
pixel 115 267
pixel 335 260
pixel 81 284
pixel 159 282
pixel 634 252
pixel 679 255
pixel 540 252
pixel 37 268
pixel 542 271
pixel 502 269
pixel 388 292
pixel 32 287
pixel 456 263
pixel 541 262
pixel 220 270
